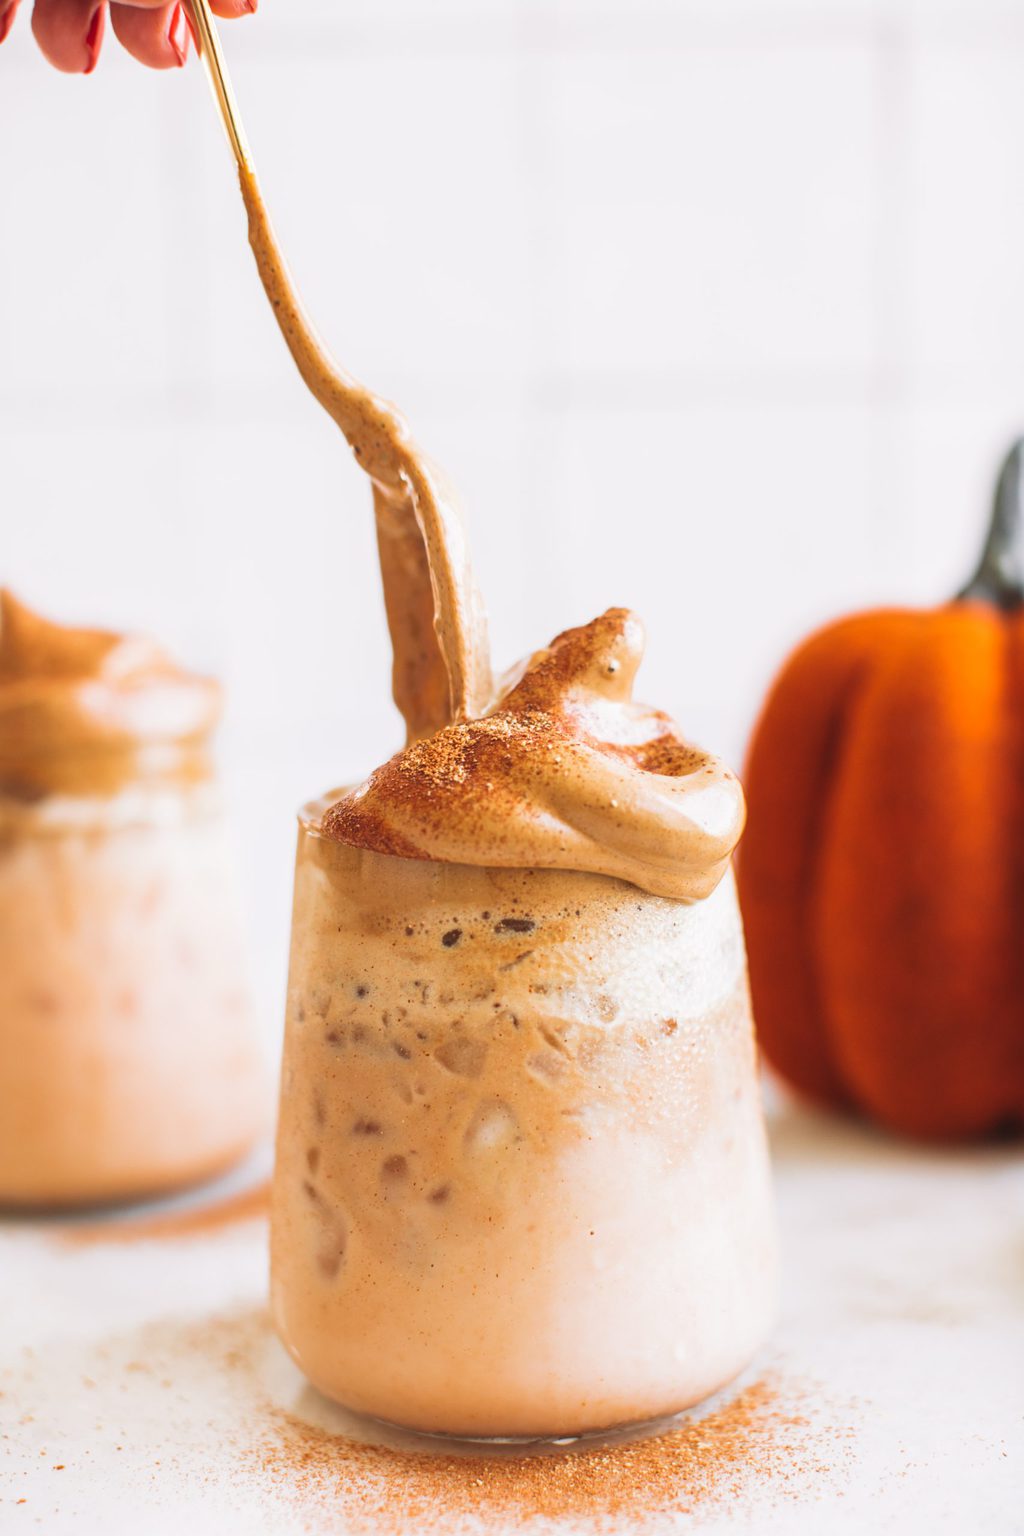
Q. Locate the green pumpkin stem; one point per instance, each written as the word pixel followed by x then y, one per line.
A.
pixel 999 578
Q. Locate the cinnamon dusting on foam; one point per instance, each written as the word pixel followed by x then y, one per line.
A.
pixel 565 771
pixel 85 711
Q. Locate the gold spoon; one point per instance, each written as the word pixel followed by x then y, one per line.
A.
pixel 208 47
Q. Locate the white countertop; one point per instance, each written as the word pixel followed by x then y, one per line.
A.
pixel 141 1389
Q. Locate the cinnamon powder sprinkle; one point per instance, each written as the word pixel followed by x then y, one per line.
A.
pixel 775 1443
pixel 752 1441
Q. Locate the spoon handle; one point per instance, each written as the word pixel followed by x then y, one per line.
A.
pixel 207 42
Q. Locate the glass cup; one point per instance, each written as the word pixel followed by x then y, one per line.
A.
pixel 129 1058
pixel 521 1187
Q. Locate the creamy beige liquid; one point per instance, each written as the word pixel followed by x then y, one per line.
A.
pixel 521 1185
pixel 129 1061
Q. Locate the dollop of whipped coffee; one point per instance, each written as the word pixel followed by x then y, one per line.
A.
pixel 86 711
pixel 567 772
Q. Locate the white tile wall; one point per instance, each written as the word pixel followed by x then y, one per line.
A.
pixel 712 210
pixel 709 306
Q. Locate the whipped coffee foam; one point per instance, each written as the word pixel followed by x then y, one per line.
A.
pixel 564 771
pixel 87 711
pixel 567 772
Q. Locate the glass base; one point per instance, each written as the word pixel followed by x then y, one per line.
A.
pixel 290 1390
pixel 589 1439
pixel 235 1175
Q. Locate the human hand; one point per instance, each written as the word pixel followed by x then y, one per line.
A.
pixel 70 32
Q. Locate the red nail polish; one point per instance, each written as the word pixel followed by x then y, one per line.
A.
pixel 94 38
pixel 7 19
pixel 178 34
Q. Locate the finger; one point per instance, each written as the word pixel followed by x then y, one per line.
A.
pixel 158 37
pixel 226 8
pixel 7 10
pixel 70 33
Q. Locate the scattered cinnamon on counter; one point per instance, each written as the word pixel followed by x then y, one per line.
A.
pixel 232 1428
pixel 753 1440
pixel 195 1221
pixel 775 1441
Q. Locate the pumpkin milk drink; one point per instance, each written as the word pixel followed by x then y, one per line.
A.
pixel 129 1060
pixel 521 1184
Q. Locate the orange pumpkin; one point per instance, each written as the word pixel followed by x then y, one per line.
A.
pixel 882 870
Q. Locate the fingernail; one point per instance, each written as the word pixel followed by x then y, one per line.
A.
pixel 7 19
pixel 94 38
pixel 251 5
pixel 177 34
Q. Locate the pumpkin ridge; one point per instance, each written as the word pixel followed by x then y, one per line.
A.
pixel 853 696
pixel 808 706
pixel 1013 1119
pixel 914 917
